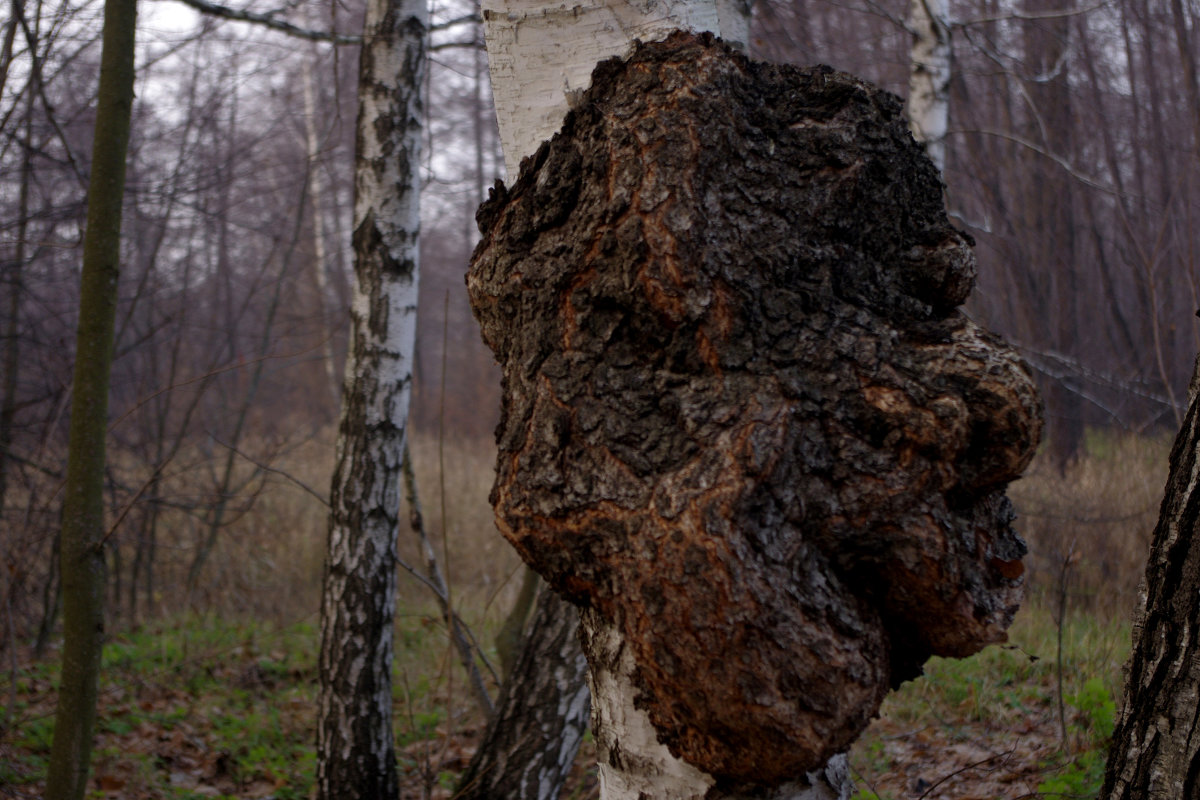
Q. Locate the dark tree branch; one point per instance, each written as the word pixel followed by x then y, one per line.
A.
pixel 269 20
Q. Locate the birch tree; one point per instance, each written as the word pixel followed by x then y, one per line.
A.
pixel 355 751
pixel 929 76
pixel 541 59
pixel 696 666
pixel 1154 753
pixel 541 55
pixel 82 538
pixel 541 715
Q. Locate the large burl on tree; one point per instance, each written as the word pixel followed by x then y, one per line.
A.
pixel 744 422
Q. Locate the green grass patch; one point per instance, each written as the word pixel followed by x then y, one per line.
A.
pixel 194 707
pixel 996 714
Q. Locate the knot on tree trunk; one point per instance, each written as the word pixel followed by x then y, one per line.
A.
pixel 743 419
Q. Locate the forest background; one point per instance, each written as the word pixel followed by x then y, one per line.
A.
pixel 1071 158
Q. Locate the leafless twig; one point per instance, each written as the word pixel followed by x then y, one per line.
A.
pixel 269 20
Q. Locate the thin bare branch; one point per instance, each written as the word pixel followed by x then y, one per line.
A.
pixel 467 45
pixel 269 20
pixel 1067 166
pixel 459 632
pixel 1027 16
pixel 281 473
pixel 453 23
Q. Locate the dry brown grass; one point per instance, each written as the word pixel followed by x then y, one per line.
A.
pixel 268 560
pixel 1095 520
pixel 482 568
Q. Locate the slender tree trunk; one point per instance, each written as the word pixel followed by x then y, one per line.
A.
pixel 355 752
pixel 1155 754
pixel 513 632
pixel 1049 212
pixel 1188 59
pixel 83 500
pixel 929 76
pixel 15 279
pixel 316 178
pixel 533 737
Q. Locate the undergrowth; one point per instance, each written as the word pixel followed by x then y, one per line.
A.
pixel 200 707
pixel 991 722
pixel 223 704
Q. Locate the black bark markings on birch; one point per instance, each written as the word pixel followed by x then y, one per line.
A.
pixel 724 301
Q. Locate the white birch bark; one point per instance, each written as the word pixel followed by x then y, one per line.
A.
pixel 541 53
pixel 929 76
pixel 355 757
pixel 541 56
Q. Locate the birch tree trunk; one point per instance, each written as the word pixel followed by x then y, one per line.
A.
pixel 355 751
pixel 1155 754
pixel 744 425
pixel 929 76
pixel 541 59
pixel 534 735
pixel 541 54
pixel 82 539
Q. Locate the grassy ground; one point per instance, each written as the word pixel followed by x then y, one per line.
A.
pixel 990 727
pixel 222 703
pixel 202 708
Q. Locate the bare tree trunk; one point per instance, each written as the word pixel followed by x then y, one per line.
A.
pixel 513 631
pixel 316 178
pixel 1049 209
pixel 15 279
pixel 355 751
pixel 1190 80
pixel 929 76
pixel 533 737
pixel 1155 754
pixel 82 539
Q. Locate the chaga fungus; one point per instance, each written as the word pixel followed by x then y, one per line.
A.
pixel 743 418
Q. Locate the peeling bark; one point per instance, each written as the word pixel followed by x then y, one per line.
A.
pixel 744 423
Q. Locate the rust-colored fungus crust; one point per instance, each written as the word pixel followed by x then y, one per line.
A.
pixel 743 419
